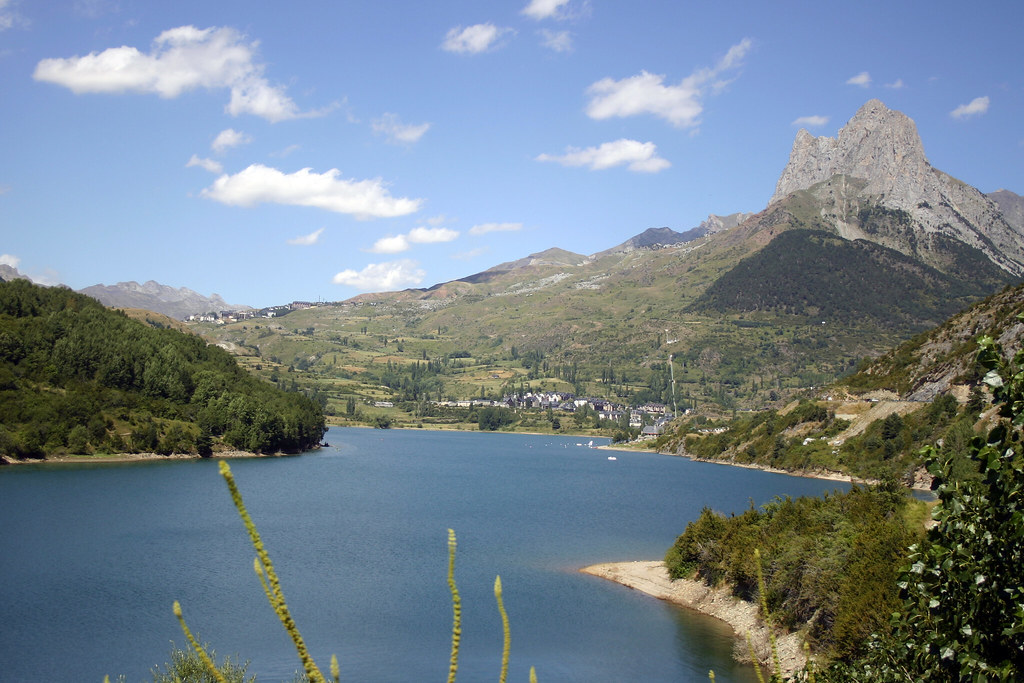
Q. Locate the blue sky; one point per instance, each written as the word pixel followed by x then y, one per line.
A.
pixel 271 152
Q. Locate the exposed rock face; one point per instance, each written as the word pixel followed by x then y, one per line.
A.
pixel 1012 206
pixel 8 273
pixel 882 147
pixel 153 296
pixel 715 223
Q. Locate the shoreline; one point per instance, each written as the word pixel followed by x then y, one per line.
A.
pixel 114 458
pixel 651 578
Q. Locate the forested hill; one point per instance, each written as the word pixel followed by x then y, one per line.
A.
pixel 78 378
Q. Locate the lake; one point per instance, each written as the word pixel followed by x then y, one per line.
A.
pixel 92 556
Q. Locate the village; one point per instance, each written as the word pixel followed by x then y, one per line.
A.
pixel 650 418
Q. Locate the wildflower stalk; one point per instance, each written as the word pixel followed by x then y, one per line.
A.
pixel 507 646
pixel 207 662
pixel 762 594
pixel 272 586
pixel 456 609
pixel 335 669
pixel 753 658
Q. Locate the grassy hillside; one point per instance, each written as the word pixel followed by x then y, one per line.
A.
pixel 874 422
pixel 751 316
pixel 77 378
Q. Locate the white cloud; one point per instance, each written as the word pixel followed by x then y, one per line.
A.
pixel 544 9
pixel 638 156
pixel 898 84
pixel 182 59
pixel 474 39
pixel 392 244
pixel 484 228
pixel 976 107
pixel 471 254
pixel 227 139
pixel 646 93
pixel 286 151
pixel 382 277
pixel 359 198
pixel 863 79
pixel 432 235
pixel 211 165
pixel 395 244
pixel 9 260
pixel 9 17
pixel 307 240
pixel 811 121
pixel 396 131
pixel 559 41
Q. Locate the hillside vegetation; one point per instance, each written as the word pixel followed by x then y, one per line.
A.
pixel 77 378
pixel 873 423
pixel 751 316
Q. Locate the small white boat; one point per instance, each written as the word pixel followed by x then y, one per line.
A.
pixel 612 457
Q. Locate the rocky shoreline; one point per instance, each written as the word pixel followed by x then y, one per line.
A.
pixel 651 577
pixel 133 457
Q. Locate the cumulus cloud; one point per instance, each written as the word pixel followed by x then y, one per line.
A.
pixel 181 59
pixel 359 198
pixel 484 228
pixel 646 93
pixel 544 9
pixel 637 156
pixel 863 79
pixel 432 235
pixel 474 39
pixel 397 132
pixel 898 84
pixel 382 277
pixel 394 244
pixel 811 121
pixel 9 259
pixel 227 139
pixel 307 240
pixel 211 165
pixel 559 41
pixel 976 107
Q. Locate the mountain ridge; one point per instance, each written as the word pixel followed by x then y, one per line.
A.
pixel 177 303
pixel 882 147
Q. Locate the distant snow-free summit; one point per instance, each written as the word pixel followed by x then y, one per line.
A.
pixel 177 303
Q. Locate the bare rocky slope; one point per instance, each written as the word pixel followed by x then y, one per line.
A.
pixel 882 147
pixel 177 303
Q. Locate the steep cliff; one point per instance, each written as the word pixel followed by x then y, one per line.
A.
pixel 882 147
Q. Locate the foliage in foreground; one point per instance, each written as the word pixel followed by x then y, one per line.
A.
pixel 203 667
pixel 830 562
pixel 962 611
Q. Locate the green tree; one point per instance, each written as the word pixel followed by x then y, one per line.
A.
pixel 962 615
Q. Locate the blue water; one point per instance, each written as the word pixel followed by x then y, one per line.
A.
pixel 93 556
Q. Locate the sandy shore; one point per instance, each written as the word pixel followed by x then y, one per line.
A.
pixel 651 577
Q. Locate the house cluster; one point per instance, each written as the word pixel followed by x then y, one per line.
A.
pixel 225 317
pixel 649 417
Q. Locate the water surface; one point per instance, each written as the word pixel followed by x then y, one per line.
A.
pixel 93 556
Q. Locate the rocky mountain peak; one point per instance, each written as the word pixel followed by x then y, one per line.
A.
pixel 878 144
pixel 880 152
pixel 153 296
